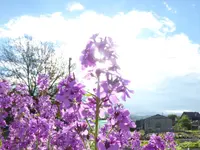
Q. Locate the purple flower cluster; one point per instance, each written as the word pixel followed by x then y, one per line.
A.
pixel 70 121
pixel 70 92
pixel 43 81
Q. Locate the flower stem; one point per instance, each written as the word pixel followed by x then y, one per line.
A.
pixel 97 114
pixel 109 131
pixel 48 144
pixel 84 143
pixel 96 123
pixel 37 144
pixel 89 126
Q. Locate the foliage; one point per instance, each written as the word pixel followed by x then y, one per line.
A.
pixel 187 134
pixel 142 132
pixel 184 123
pixel 173 117
pixel 144 142
pixel 71 120
pixel 179 148
pixel 189 144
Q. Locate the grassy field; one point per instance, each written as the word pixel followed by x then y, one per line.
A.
pixel 181 145
pixel 188 134
pixel 182 140
pixel 184 145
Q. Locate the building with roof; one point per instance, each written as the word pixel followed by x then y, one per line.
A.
pixel 195 119
pixel 193 116
pixel 156 123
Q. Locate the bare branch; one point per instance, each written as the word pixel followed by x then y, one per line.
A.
pixel 23 59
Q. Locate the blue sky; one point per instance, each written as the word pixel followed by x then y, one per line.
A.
pixel 187 15
pixel 159 38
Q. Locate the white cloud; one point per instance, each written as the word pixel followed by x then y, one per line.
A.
pixel 169 8
pixel 75 6
pixel 146 60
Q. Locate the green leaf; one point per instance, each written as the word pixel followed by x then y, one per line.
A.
pixel 88 95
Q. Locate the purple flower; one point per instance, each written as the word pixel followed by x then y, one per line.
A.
pixel 66 139
pixel 157 142
pixel 104 46
pixel 43 81
pixel 45 107
pixel 70 92
pixel 150 146
pixel 114 85
pixel 121 118
pixel 69 120
pixel 87 58
pixel 108 145
pixel 169 138
pixel 136 141
pixel 4 87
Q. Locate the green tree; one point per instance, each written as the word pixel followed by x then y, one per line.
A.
pixel 173 117
pixel 184 123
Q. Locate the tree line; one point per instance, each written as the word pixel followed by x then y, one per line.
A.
pixel 181 123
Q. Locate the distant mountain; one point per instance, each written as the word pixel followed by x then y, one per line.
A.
pixel 143 115
pixel 137 117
